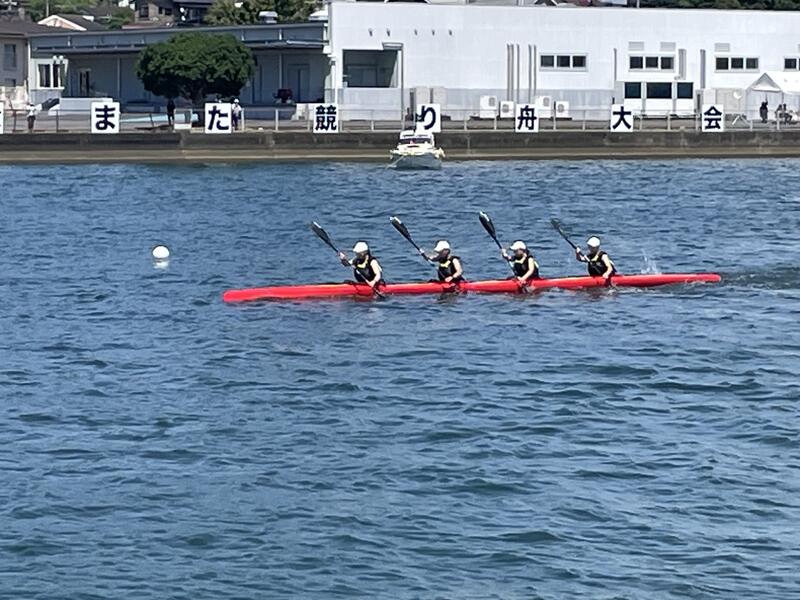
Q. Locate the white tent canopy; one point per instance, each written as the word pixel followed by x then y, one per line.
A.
pixel 777 82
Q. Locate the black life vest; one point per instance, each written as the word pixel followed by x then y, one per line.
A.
pixel 447 268
pixel 362 270
pixel 596 265
pixel 521 266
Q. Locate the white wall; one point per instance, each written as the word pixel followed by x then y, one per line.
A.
pixel 463 47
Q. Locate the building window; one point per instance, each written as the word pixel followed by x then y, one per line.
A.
pixel 633 90
pixel 44 76
pixel 659 91
pixel 9 56
pixel 685 90
pixel 736 63
pixel 791 64
pixel 562 62
pixel 653 63
pixel 59 75
pixel 167 12
pixel 144 10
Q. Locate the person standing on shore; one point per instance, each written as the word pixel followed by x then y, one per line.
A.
pixel 236 114
pixel 31 117
pixel 764 111
pixel 171 112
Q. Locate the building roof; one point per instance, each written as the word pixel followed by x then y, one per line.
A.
pixel 22 28
pixel 80 22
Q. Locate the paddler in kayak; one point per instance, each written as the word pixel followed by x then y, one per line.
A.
pixel 366 268
pixel 598 261
pixel 448 266
pixel 522 261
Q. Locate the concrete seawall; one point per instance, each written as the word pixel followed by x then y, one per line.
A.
pixel 374 146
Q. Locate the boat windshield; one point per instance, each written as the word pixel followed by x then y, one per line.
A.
pixel 416 140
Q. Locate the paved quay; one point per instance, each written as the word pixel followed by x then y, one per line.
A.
pixel 375 146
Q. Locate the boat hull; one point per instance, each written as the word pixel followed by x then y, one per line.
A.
pixel 424 161
pixel 495 286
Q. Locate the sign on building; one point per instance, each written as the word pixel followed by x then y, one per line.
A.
pixel 326 118
pixel 621 119
pixel 218 117
pixel 104 117
pixel 2 117
pixel 428 118
pixel 526 118
pixel 713 117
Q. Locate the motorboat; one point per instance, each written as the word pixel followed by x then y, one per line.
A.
pixel 416 150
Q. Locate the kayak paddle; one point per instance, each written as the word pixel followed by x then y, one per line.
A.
pixel 557 226
pixel 323 235
pixel 490 229
pixel 398 224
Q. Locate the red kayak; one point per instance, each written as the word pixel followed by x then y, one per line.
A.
pixel 495 286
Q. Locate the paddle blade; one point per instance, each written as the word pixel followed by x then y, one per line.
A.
pixel 557 226
pixel 487 224
pixel 322 234
pixel 400 226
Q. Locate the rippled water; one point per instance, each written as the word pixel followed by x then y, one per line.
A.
pixel 157 443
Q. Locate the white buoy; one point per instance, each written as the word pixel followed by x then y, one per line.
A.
pixel 160 253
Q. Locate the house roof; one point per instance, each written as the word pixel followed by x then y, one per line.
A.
pixel 22 28
pixel 82 21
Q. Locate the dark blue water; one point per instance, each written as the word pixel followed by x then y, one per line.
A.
pixel 157 443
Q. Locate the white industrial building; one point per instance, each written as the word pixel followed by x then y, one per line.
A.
pixel 658 61
pixel 378 59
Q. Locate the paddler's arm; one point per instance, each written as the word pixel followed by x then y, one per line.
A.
pixel 580 256
pixel 457 271
pixel 345 261
pixel 376 267
pixel 431 259
pixel 609 267
pixel 531 270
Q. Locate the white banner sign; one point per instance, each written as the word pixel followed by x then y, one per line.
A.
pixel 526 118
pixel 713 117
pixel 218 117
pixel 621 119
pixel 105 117
pixel 428 118
pixel 325 118
pixel 2 118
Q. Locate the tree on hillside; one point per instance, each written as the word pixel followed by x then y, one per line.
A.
pixel 193 65
pixel 236 12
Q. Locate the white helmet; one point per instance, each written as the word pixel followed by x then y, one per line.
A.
pixel 593 242
pixel 361 248
pixel 441 246
pixel 519 245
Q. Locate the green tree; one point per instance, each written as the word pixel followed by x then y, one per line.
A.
pixel 235 12
pixel 193 65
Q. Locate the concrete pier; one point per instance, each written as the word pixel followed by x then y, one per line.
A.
pixel 375 146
